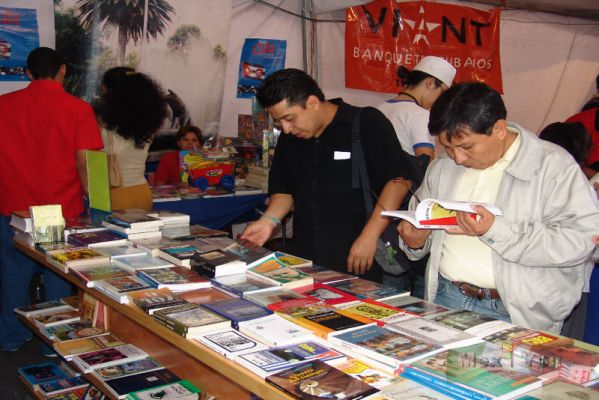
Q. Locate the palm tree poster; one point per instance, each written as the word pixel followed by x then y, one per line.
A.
pixel 19 35
pixel 179 43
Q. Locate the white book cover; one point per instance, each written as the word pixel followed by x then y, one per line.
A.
pixel 230 342
pixel 107 357
pixel 433 332
pixel 139 262
pixel 274 330
pixel 125 250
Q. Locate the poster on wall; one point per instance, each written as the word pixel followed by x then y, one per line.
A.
pixel 382 35
pixel 19 35
pixel 259 58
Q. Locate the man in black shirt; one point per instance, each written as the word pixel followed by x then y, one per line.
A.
pixel 311 173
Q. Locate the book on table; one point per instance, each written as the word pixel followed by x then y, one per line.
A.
pixel 239 284
pixel 407 389
pixel 292 261
pixel 383 345
pixel 58 386
pixel 272 296
pixel 47 247
pixel 132 222
pixel 325 276
pixel 65 259
pixel 35 374
pixel 274 330
pixel 366 289
pixel 119 288
pixel 107 357
pixel 21 220
pixel 277 272
pixel 141 262
pixel 275 359
pixel 191 232
pixel 81 224
pixel 175 278
pixel 90 274
pixel 152 246
pixel 439 214
pixel 325 293
pixel 230 342
pixel 41 308
pixel 151 300
pixel 433 332
pixel 237 310
pixel 480 370
pixel 316 379
pixel 121 251
pixel 170 218
pixel 379 313
pixel 55 317
pixel 248 252
pixel 180 254
pixel 182 390
pixel 325 322
pixel 364 372
pixel 561 390
pixel 47 223
pixel 127 368
pixel 97 239
pixel 70 331
pixel 71 348
pixel 216 263
pixel 415 305
pixel 189 320
pixel 121 387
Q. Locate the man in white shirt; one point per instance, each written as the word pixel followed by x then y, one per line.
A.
pixel 526 266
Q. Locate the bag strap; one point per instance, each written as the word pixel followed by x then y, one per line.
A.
pixel 110 145
pixel 359 171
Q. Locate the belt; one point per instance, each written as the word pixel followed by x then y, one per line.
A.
pixel 479 293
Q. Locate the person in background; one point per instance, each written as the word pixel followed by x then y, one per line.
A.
pixel 526 266
pixel 130 110
pixel 168 172
pixel 573 137
pixel 45 133
pixel 594 100
pixel 409 110
pixel 311 173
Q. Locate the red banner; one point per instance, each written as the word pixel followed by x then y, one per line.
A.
pixel 384 34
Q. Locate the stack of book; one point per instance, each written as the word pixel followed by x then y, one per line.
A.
pixel 48 379
pixel 134 225
pixel 257 177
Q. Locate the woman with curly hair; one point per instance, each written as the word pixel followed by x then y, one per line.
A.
pixel 131 109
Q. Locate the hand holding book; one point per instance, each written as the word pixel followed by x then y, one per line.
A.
pixel 473 224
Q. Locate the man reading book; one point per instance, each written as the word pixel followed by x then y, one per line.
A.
pixel 311 173
pixel 45 133
pixel 526 266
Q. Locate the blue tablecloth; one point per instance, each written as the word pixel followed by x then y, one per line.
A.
pixel 217 212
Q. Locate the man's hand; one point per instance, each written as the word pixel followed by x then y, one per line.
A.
pixel 473 224
pixel 258 232
pixel 361 255
pixel 413 237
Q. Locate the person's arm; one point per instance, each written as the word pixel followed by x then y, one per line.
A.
pixel 163 168
pixel 362 252
pixel 424 155
pixel 260 231
pixel 82 169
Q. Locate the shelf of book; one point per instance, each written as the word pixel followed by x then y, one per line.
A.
pixel 188 359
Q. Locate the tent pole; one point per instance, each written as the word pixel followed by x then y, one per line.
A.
pixel 309 40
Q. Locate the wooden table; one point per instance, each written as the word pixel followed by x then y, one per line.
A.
pixel 188 359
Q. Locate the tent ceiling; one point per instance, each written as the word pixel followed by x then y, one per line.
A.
pixel 575 8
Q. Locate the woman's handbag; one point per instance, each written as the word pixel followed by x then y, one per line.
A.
pixel 114 171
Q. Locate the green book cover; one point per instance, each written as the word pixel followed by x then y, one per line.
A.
pixel 97 180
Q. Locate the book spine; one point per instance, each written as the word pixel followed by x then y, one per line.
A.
pixel 442 385
pixel 204 269
pixel 173 326
pixel 147 279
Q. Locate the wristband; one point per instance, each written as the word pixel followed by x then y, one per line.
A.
pixel 274 220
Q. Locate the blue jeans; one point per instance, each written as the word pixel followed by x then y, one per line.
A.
pixel 16 271
pixel 449 295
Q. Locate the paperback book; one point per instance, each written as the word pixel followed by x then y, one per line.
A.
pixel 170 218
pixel 58 386
pixel 239 284
pixel 416 306
pixel 107 357
pixel 119 288
pixel 71 348
pixel 41 308
pixel 21 220
pixel 152 300
pixel 325 276
pixel 178 254
pixel 55 317
pixel 317 379
pixel 277 272
pixel 433 332
pixel 325 293
pixel 182 390
pixel 364 372
pixel 127 368
pixel 272 296
pixel 216 263
pixel 274 330
pixel 125 250
pixel 121 387
pixel 74 330
pixel 230 342
pixel 189 320
pixel 248 252
pixel 175 278
pixel 138 263
pixel 292 261
pixel 65 259
pixel 324 323
pixel 237 310
pixel 90 274
pixel 47 223
pixel 379 313
pixel 131 222
pixel 103 238
pixel 363 288
pixel 36 374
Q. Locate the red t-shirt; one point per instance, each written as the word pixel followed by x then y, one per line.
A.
pixel 168 169
pixel 587 118
pixel 41 129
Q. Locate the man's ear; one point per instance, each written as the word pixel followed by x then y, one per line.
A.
pixel 312 102
pixel 500 128
pixel 29 75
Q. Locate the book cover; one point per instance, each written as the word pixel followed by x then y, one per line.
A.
pixel 190 319
pixel 182 390
pixel 325 276
pixel 230 342
pixel 134 220
pixel 86 345
pixel 239 284
pixel 433 332
pixel 416 306
pixel 274 330
pixel 364 372
pixel 292 261
pixel 461 319
pixel 144 380
pixel 46 247
pixel 316 379
pixel 97 239
pixel 560 390
pixel 407 390
pixel 75 330
pixel 237 310
pixel 77 256
pixel 58 386
pixel 109 356
pixel 379 313
pixel 40 373
pixel 47 223
pixel 125 250
pixel 21 220
pixel 127 368
pixel 41 308
pixel 55 318
pixel 141 262
pixel 269 361
pixel 178 254
pixel 217 263
pixel 326 322
pixel 90 274
pixel 367 289
pixel 382 344
pixel 325 293
pixel 118 288
pixel 272 296
pixel 481 368
pixel 277 271
pixel 176 278
pixel 151 300
pixel 170 218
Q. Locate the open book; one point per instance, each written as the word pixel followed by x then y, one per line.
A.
pixel 438 214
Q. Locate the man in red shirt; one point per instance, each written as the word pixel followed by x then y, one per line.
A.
pixel 44 134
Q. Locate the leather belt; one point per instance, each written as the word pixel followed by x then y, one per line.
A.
pixel 479 293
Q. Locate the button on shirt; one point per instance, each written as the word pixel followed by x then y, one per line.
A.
pixel 466 258
pixel 328 214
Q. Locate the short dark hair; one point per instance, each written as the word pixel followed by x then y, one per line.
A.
pixel 289 84
pixel 414 77
pixel 189 128
pixel 469 106
pixel 111 77
pixel 44 63
pixel 572 136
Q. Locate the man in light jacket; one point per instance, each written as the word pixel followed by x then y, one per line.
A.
pixel 526 266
